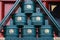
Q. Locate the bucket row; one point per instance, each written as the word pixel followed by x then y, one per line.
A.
pixel 29 30
pixel 22 18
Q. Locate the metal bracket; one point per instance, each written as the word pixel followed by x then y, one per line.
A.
pixel 49 15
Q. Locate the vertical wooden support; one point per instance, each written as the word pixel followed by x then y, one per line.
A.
pixel 1 10
pixel 1 15
pixel 46 4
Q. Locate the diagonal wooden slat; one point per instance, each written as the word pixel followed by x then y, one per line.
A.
pixel 49 15
pixel 15 6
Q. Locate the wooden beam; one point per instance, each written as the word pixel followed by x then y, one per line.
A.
pixel 1 10
pixel 52 0
pixel 7 0
pixel 42 0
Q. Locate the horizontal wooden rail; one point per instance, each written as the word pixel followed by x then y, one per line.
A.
pixel 56 38
pixel 42 0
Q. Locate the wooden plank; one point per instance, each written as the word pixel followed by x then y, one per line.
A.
pixel 57 38
pixel 7 0
pixel 2 38
pixel 1 10
pixel 42 0
pixel 52 0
